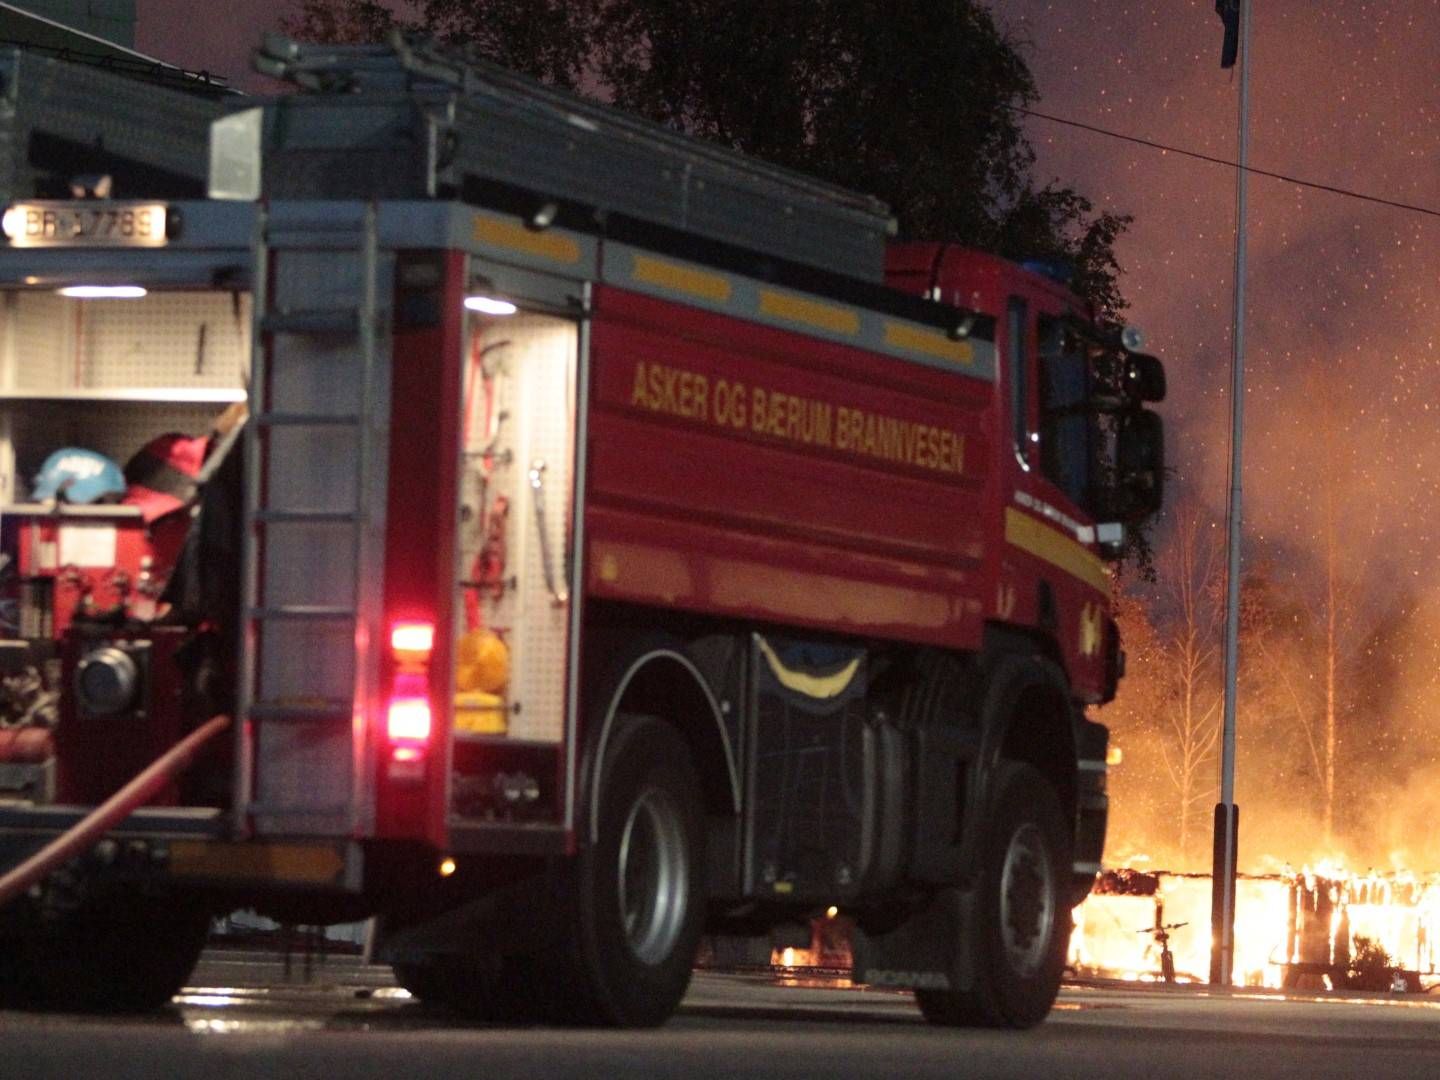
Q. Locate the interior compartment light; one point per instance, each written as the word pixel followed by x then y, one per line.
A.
pixel 102 292
pixel 489 305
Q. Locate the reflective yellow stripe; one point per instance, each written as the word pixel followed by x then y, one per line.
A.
pixel 1040 540
pixel 802 682
pixel 678 278
pixel 837 320
pixel 929 342
pixel 303 863
pixel 507 234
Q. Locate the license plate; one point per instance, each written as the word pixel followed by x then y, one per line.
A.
pixel 61 224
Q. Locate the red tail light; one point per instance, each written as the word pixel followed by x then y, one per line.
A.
pixel 412 639
pixel 408 721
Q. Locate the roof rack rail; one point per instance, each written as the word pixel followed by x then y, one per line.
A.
pixel 481 122
pixel 60 119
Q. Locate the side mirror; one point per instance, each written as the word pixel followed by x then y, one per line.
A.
pixel 1139 464
pixel 1144 378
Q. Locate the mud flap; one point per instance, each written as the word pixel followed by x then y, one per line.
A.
pixel 931 950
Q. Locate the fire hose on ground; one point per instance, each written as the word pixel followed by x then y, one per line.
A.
pixel 88 831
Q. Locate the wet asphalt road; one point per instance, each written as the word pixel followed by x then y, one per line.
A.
pixel 242 1018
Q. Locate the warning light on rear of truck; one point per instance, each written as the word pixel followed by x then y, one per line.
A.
pixel 407 720
pixel 412 640
pixel 407 713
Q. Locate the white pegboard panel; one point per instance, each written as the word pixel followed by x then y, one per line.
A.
pixel 43 339
pixel 155 341
pixel 481 488
pixel 536 360
pixel 185 339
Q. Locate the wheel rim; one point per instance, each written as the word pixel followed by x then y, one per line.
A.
pixel 653 877
pixel 1027 900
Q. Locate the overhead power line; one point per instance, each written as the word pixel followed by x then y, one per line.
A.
pixel 1167 148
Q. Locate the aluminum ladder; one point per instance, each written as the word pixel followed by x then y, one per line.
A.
pixel 313 520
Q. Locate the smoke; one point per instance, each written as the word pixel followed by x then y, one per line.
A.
pixel 1342 445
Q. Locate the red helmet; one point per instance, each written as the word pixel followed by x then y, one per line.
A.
pixel 160 478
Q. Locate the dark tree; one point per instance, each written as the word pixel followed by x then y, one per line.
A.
pixel 545 39
pixel 344 21
pixel 913 103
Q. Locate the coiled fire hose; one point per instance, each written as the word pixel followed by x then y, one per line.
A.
pixel 111 812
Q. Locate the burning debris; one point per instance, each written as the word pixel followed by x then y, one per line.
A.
pixel 1312 928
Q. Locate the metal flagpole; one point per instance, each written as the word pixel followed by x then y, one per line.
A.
pixel 1227 814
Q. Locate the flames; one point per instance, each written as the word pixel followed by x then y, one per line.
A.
pixel 1115 929
pixel 1319 927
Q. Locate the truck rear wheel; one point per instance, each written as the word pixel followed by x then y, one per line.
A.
pixel 1022 924
pixel 477 989
pixel 634 909
pixel 17 981
pixel 127 954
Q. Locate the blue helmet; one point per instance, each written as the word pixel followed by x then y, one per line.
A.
pixel 80 476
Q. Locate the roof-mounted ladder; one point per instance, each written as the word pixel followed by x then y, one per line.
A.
pixel 426 121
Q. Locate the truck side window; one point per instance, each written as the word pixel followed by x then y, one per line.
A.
pixel 1066 424
pixel 1015 327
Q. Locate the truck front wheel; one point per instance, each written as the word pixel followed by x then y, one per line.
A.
pixel 1021 932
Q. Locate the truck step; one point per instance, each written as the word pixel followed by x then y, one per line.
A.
pixel 321 709
pixel 332 321
pixel 318 612
pixel 289 419
pixel 285 517
pixel 273 809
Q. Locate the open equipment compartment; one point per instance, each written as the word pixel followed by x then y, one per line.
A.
pixel 107 352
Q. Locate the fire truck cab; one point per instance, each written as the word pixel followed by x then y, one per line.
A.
pixel 621 546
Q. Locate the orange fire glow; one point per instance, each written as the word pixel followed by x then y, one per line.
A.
pixel 1294 929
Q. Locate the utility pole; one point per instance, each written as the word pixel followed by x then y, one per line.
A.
pixel 1227 814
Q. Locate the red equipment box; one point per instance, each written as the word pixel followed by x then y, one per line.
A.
pixel 82 557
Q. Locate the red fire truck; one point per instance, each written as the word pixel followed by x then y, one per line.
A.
pixel 625 544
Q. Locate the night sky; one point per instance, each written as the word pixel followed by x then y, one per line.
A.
pixel 1342 350
pixel 1342 295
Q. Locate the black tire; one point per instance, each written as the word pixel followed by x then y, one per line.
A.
pixel 633 906
pixel 496 990
pixel 1022 922
pixel 127 954
pixel 424 981
pixel 17 981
